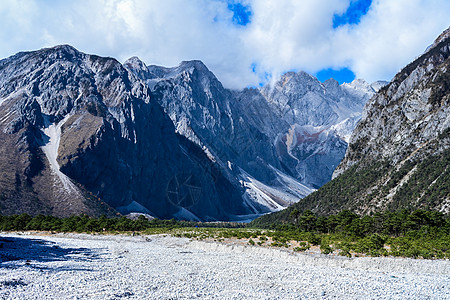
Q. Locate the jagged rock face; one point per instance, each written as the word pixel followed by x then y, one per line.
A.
pixel 320 117
pixel 297 95
pixel 206 113
pixel 312 153
pixel 301 99
pixel 92 135
pixel 406 128
pixel 298 127
pixel 25 109
pixel 235 134
pixel 406 114
pixel 399 154
pixel 88 135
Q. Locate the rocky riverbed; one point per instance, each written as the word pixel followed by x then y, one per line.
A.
pixel 81 266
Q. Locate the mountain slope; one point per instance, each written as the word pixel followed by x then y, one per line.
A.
pixel 297 128
pixel 79 132
pixel 86 134
pixel 399 154
pixel 321 117
pixel 250 136
pixel 241 144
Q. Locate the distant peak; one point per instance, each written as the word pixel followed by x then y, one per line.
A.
pixel 135 62
pixel 63 48
pixel 134 59
pixel 299 75
pixel 331 82
pixel 358 83
pixel 289 74
pixel 198 64
pixel 303 73
pixel 362 85
pixel 444 35
pixel 66 52
pixel 306 76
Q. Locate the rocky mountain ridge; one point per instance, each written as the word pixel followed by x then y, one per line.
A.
pixel 321 117
pixel 268 119
pixel 89 136
pixel 86 134
pixel 207 114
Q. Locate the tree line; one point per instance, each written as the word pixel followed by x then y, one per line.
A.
pixel 418 233
pixel 84 223
pixel 393 223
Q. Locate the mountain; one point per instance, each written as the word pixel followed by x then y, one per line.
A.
pixel 277 156
pixel 86 134
pixel 80 134
pixel 399 153
pixel 210 116
pixel 321 117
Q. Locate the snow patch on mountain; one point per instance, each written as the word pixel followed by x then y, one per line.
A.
pixel 52 131
pixel 134 207
pixel 284 191
pixel 345 128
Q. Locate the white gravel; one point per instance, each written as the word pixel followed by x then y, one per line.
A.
pixel 123 267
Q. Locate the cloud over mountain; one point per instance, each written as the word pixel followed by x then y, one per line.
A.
pixel 274 36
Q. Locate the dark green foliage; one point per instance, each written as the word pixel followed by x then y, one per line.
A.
pixel 303 246
pixel 419 233
pixel 363 185
pixel 325 248
pixel 398 175
pixel 307 220
pixel 431 183
pixel 334 196
pixel 370 243
pixel 85 223
pixel 295 213
pixel 388 223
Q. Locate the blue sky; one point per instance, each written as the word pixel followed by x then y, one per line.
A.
pixel 341 75
pixel 243 42
pixel 353 14
pixel 241 13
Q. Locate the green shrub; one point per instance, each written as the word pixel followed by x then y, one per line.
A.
pixel 303 246
pixel 263 238
pixel 325 249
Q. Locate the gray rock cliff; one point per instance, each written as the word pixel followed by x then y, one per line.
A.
pixel 89 138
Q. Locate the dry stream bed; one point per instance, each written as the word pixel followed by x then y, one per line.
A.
pixel 85 266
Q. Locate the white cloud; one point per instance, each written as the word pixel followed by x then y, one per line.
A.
pixel 392 34
pixel 286 35
pixel 283 34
